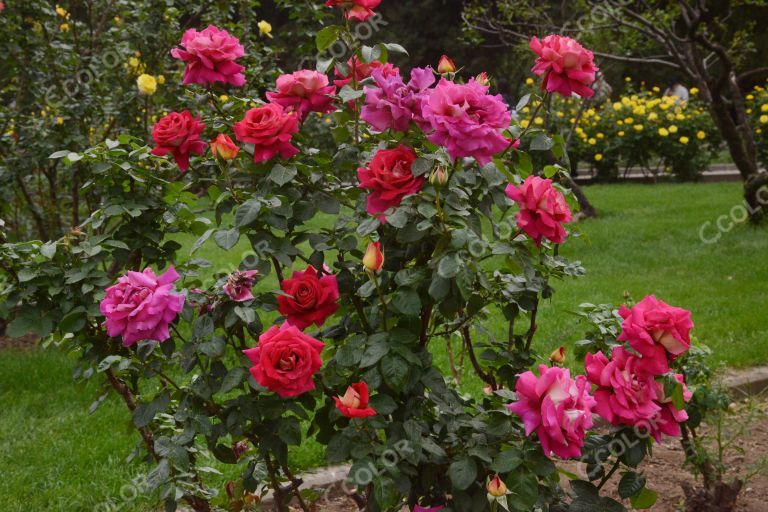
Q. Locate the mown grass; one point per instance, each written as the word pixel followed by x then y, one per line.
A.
pixel 54 455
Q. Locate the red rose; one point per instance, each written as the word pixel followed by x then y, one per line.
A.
pixel 270 130
pixel 285 360
pixel 389 178
pixel 354 403
pixel 179 134
pixel 309 299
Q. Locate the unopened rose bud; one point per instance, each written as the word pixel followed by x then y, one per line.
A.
pixel 373 260
pixel 439 177
pixel 483 79
pixel 446 65
pixel 496 487
pixel 558 356
pixel 240 447
pixel 223 147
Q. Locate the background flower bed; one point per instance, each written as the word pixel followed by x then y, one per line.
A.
pixel 45 412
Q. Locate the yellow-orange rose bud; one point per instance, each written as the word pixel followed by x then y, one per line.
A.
pixel 223 147
pixel 558 356
pixel 446 65
pixel 496 487
pixel 373 260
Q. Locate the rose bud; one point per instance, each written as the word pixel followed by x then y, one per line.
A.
pixel 558 356
pixel 240 447
pixel 496 487
pixel 223 147
pixel 446 65
pixel 483 79
pixel 354 403
pixel 373 260
pixel 239 285
pixel 439 177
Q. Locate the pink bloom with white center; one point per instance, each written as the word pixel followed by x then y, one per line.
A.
pixel 304 91
pixel 555 406
pixel 466 120
pixel 651 323
pixel 239 285
pixel 141 306
pixel 567 67
pixel 543 210
pixel 210 56
pixel 392 104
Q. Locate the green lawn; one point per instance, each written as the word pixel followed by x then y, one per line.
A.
pixel 56 456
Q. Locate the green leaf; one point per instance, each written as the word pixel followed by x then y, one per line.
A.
pixel 59 154
pixel 289 431
pixel 200 241
pixel 281 174
pixel 227 238
pixel 326 37
pixel 374 353
pixel 396 48
pixel 347 94
pixel 407 301
pixel 145 411
pixel 630 484
pixel 542 142
pixel 248 212
pixel 645 499
pixel 523 102
pixel 449 266
pixel 233 379
pixel 394 369
pixel 463 473
pixel 421 166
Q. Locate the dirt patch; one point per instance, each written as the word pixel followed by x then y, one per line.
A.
pixel 27 342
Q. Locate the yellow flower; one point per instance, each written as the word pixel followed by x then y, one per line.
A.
pixel 680 117
pixel 617 106
pixel 61 11
pixel 626 101
pixel 147 84
pixel 629 120
pixel 592 141
pixel 656 89
pixel 529 81
pixel 265 28
pixel 694 91
pixel 223 98
pixel 160 79
pixel 59 120
pixel 621 134
pixel 764 108
pixel 598 157
pixel 133 62
pixel 764 119
pixel 639 127
pixel 524 123
pixel 64 27
pixel 684 140
pixel 673 129
pixel 627 79
pixel 653 116
pixel 663 132
pixel 600 136
pixel 750 97
pixel 701 135
pixel 560 115
pixel 118 20
pixel 538 121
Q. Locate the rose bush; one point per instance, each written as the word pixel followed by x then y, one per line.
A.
pixel 316 334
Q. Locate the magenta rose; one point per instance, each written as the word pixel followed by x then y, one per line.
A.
pixel 141 306
pixel 566 66
pixel 359 71
pixel 466 120
pixel 308 299
pixel 555 406
pixel 392 104
pixel 179 134
pixel 303 92
pixel 359 10
pixel 286 360
pixel 239 285
pixel 389 178
pixel 270 129
pixel 543 210
pixel 651 323
pixel 210 56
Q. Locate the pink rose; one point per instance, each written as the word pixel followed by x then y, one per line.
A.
pixel 239 285
pixel 389 178
pixel 567 66
pixel 359 10
pixel 629 394
pixel 178 134
pixel 543 209
pixel 270 129
pixel 303 92
pixel 651 323
pixel 354 403
pixel 392 104
pixel 557 407
pixel 286 360
pixel 308 299
pixel 210 56
pixel 359 71
pixel 466 120
pixel 141 306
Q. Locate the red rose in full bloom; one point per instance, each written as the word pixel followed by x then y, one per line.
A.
pixel 359 10
pixel 309 299
pixel 286 360
pixel 270 130
pixel 179 134
pixel 389 178
pixel 354 403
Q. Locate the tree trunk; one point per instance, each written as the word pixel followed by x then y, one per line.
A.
pixel 587 209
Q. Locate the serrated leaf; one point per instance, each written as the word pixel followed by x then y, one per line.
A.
pixel 281 174
pixel 630 484
pixel 227 238
pixel 326 37
pixel 463 473
pixel 645 499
